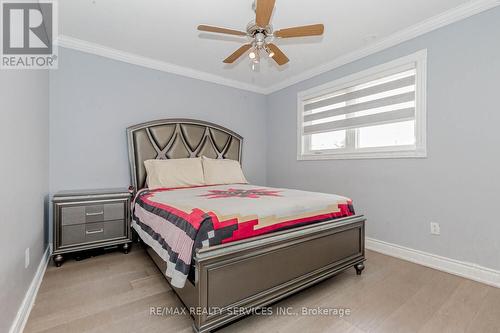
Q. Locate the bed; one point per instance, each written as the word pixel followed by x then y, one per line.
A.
pixel 247 246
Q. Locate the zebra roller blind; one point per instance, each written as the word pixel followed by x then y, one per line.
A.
pixel 383 100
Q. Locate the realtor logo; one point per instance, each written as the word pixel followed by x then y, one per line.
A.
pixel 28 30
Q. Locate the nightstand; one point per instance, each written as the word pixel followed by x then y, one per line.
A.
pixel 90 219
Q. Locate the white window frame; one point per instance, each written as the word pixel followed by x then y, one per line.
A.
pixel 419 150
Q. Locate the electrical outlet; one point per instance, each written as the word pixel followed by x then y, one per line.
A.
pixel 435 228
pixel 27 257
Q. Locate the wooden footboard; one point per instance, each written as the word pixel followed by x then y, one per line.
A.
pixel 259 271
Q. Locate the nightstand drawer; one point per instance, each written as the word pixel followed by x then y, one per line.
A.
pixel 104 230
pixel 92 213
pixel 92 232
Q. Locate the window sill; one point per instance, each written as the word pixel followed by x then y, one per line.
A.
pixel 363 155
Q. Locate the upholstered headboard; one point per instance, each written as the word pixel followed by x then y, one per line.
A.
pixel 178 138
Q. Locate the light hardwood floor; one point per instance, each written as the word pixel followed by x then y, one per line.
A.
pixel 114 293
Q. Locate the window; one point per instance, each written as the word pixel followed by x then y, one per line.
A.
pixel 378 113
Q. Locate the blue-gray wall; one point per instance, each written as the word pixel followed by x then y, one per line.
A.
pixel 24 171
pixel 458 185
pixel 94 99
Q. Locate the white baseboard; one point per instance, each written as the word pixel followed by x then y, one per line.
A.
pixel 464 269
pixel 29 299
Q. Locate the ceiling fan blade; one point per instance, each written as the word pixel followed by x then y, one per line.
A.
pixel 278 56
pixel 238 53
pixel 263 12
pixel 210 28
pixel 303 31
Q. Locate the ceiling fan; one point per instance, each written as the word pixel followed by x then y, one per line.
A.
pixel 261 35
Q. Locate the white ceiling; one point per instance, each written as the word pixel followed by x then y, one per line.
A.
pixel 165 30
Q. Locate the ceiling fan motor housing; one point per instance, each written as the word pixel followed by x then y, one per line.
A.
pixel 260 39
pixel 253 29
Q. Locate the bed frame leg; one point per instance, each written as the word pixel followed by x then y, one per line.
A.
pixel 359 268
pixel 135 237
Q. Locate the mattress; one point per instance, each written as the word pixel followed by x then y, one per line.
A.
pixel 176 222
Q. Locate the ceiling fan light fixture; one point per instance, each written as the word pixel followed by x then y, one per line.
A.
pixel 269 52
pixel 256 59
pixel 252 55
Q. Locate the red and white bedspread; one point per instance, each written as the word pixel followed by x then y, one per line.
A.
pixel 176 222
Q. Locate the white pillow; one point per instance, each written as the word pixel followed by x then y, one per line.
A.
pixel 181 172
pixel 221 171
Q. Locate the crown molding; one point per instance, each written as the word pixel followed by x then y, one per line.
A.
pixel 464 11
pixel 135 59
pixel 451 16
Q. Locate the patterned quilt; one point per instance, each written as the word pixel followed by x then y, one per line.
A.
pixel 176 222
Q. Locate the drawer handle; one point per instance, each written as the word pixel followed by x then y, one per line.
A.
pixel 94 231
pixel 95 214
